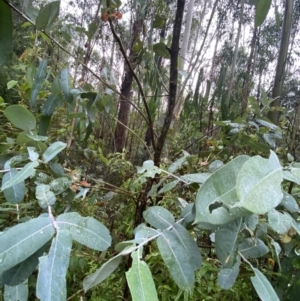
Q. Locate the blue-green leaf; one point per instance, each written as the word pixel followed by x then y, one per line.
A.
pixel 53 150
pixel 159 217
pixel 51 282
pixel 259 184
pixel 101 274
pixel 23 270
pixel 21 241
pixel 227 276
pixel 176 259
pixel 263 287
pixel 5 31
pixel 27 171
pixel 18 292
pixel 38 82
pixel 219 189
pixel 44 196
pixel 140 280
pixel 16 193
pixel 85 230
pixel 280 222
pixel 253 248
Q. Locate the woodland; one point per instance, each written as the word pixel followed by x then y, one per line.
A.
pixel 149 150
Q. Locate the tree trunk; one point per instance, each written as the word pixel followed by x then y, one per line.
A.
pixel 124 105
pixel 282 58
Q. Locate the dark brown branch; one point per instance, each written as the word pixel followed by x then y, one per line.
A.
pixel 173 80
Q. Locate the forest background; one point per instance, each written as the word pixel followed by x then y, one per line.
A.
pixel 144 139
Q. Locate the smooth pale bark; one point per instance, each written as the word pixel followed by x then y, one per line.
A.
pixel 236 50
pixel 282 58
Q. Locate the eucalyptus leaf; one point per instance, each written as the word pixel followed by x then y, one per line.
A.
pixel 16 193
pixel 85 230
pixel 22 240
pixel 47 15
pixel 18 292
pixel 140 280
pixel 54 149
pixel 263 287
pixel 51 282
pixel 262 10
pixel 253 248
pixel 44 196
pixel 27 171
pixel 101 274
pixel 227 276
pixel 280 222
pixel 159 217
pixel 20 117
pixel 38 82
pixel 176 259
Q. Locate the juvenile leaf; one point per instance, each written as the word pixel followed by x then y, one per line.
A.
pixel 159 217
pixel 23 270
pixel 51 282
pixel 53 150
pixel 21 241
pixel 178 163
pixel 259 184
pixel 196 177
pixel 142 232
pixel 85 230
pixel 16 193
pixel 38 82
pixel 279 222
pixel 26 172
pixel 168 187
pixel 101 274
pixel 59 185
pixel 227 276
pixel 18 292
pixel 263 287
pixel 64 79
pixel 289 202
pixel 5 31
pixel 149 169
pixel 32 154
pixel 189 244
pixel 176 259
pixel 253 248
pixel 20 117
pixel 140 280
pixel 262 10
pixel 45 196
pixel 219 188
pixel 47 15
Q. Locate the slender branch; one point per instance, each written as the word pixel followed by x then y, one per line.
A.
pixel 118 40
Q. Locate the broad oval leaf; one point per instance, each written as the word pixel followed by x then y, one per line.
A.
pixel 101 274
pixel 289 202
pixel 259 184
pixel 26 172
pixel 227 276
pixel 219 188
pixel 140 280
pixel 51 282
pixel 176 259
pixel 5 31
pixel 47 15
pixel 53 150
pixel 262 10
pixel 159 217
pixel 85 230
pixel 45 196
pixel 21 241
pixel 253 248
pixel 16 193
pixel 280 222
pixel 59 185
pixel 263 287
pixel 38 82
pixel 18 292
pixel 20 117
